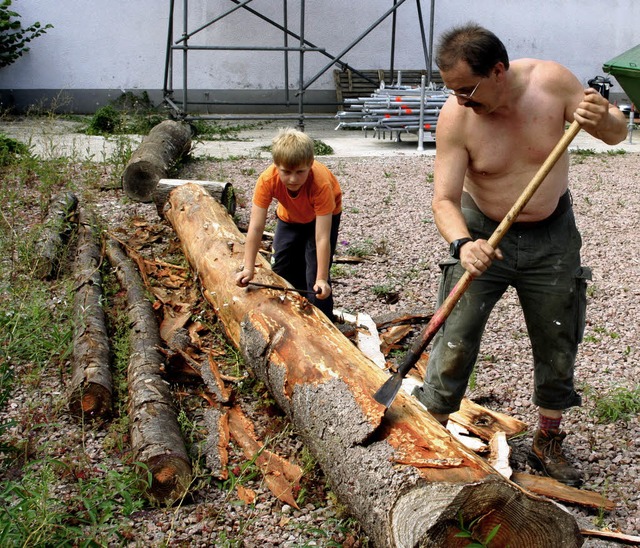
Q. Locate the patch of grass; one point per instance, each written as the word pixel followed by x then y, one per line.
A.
pixel 33 514
pixel 212 130
pixel 321 149
pixel 387 292
pixel 339 271
pixel 583 152
pixel 362 249
pixel 128 114
pixel 11 150
pixel 619 403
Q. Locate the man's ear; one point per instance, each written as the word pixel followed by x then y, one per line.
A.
pixel 499 71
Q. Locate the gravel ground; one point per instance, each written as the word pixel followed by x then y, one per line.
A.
pixel 387 216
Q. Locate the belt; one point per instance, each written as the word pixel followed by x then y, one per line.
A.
pixel 564 204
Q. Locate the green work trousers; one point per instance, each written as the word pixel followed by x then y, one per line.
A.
pixel 542 263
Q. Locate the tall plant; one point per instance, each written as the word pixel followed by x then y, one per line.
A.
pixel 13 37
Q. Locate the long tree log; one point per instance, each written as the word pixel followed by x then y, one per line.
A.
pixel 153 159
pixel 156 439
pixel 401 474
pixel 91 382
pixel 58 226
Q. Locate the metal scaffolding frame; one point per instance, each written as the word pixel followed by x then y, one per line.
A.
pixel 181 107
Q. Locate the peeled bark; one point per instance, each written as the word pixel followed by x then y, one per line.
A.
pixel 58 226
pixel 156 439
pixel 91 382
pixel 157 154
pixel 400 474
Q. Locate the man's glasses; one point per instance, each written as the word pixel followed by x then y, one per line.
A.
pixel 465 96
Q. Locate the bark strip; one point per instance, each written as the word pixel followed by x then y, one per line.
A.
pixel 156 439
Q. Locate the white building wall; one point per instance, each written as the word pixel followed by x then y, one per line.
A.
pixel 121 44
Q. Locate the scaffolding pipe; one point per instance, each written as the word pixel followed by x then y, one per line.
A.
pixel 301 72
pixel 184 54
pixel 393 39
pixel 421 128
pixel 285 20
pixel 430 63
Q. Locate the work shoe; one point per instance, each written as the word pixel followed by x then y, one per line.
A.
pixel 546 455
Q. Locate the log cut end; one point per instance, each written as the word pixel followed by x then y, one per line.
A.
pixel 170 478
pixel 140 179
pixel 91 401
pixel 436 514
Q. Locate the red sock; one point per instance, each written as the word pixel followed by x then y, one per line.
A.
pixel 548 423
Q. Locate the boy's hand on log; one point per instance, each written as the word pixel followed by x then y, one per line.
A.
pixel 244 277
pixel 322 289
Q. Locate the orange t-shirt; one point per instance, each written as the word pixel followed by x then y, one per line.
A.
pixel 320 195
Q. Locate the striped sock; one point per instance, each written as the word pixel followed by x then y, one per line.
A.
pixel 548 423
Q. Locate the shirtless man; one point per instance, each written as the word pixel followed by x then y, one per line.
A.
pixel 499 125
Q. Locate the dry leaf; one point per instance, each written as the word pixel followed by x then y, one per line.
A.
pixel 246 495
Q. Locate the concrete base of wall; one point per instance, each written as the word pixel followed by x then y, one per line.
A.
pixel 200 102
pixel 87 101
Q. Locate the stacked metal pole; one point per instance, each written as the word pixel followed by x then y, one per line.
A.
pixel 394 110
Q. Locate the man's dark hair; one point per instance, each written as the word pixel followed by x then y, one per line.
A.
pixel 473 44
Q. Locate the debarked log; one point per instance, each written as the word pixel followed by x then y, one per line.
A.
pixel 91 382
pixel 153 159
pixel 156 439
pixel 403 476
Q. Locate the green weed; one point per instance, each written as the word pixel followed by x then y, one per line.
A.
pixel 11 150
pixel 32 513
pixel 466 532
pixel 619 403
pixel 321 149
pixel 362 249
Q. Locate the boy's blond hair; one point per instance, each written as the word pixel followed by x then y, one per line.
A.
pixel 292 148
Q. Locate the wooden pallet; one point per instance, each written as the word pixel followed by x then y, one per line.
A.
pixel 350 85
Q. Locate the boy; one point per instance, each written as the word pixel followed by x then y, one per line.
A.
pixel 309 208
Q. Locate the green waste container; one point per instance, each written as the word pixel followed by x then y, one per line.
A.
pixel 626 69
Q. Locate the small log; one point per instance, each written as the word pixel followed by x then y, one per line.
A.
pixel 156 439
pixel 58 226
pixel 91 382
pixel 153 159
pixel 401 474
pixel 223 192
